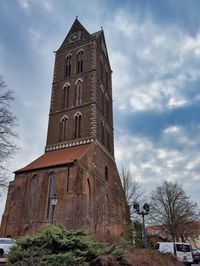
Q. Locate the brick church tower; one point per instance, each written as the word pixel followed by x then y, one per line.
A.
pixel 78 165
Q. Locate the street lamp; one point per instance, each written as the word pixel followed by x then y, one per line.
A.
pixel 144 212
pixel 53 203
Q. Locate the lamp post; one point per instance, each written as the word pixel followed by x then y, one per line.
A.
pixel 144 212
pixel 53 203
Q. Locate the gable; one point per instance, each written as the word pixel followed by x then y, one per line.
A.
pixel 76 34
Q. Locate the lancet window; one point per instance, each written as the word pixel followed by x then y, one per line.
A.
pixel 68 60
pixel 106 173
pixel 80 61
pixel 78 92
pixel 77 125
pixel 65 95
pixel 33 197
pixel 52 192
pixel 63 128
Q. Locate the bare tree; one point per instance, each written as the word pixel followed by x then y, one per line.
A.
pixel 131 193
pixel 172 209
pixel 131 187
pixel 7 124
pixel 189 230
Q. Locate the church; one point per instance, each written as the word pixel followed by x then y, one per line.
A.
pixel 75 183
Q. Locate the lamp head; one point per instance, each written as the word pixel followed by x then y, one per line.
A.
pixel 136 207
pixel 146 207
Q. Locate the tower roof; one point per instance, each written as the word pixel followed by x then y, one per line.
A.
pixel 77 26
pixel 55 158
pixel 77 29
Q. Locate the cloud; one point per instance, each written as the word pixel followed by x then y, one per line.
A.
pixel 156 86
pixel 154 63
pixel 24 3
pixel 48 5
pixel 174 156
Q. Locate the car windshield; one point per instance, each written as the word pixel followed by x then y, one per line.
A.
pixel 183 247
pixel 6 241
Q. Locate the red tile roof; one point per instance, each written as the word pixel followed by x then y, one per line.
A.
pixel 58 157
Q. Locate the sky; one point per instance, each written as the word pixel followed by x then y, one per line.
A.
pixel 154 51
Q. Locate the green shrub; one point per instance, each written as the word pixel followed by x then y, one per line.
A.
pixel 56 246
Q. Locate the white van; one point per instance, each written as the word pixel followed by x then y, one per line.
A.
pixel 182 251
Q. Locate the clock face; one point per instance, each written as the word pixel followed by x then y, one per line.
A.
pixel 74 37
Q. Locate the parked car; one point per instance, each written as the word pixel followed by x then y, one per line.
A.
pixel 5 245
pixel 182 251
pixel 196 255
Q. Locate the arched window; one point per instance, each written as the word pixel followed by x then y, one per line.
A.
pixel 63 128
pixel 107 108
pixel 107 209
pixel 88 192
pixel 78 92
pixel 33 197
pixel 80 62
pixel 106 173
pixel 102 98
pixel 68 60
pixel 102 133
pixel 77 125
pixel 108 139
pixel 65 98
pixel 52 192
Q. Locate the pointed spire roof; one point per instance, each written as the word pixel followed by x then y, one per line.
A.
pixel 77 31
pixel 77 26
